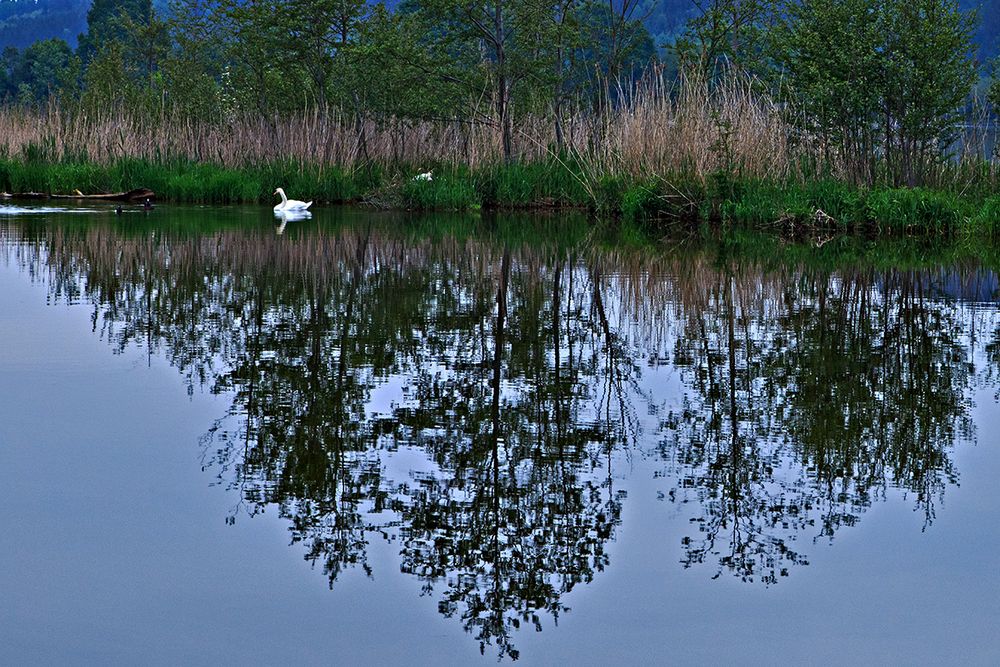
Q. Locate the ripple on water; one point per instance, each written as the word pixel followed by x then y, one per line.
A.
pixel 35 210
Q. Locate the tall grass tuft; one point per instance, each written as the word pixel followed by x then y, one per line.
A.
pixel 900 209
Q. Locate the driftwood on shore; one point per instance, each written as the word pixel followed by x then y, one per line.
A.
pixel 137 195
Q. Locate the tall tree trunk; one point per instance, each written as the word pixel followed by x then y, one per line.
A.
pixel 503 84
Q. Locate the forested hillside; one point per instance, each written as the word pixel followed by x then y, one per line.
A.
pixel 25 21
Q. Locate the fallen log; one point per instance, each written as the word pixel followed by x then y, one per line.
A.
pixel 137 195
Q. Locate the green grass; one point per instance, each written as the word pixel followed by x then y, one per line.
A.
pixel 987 218
pixel 532 185
pixel 833 205
pixel 903 209
pixel 449 190
pixel 723 200
pixel 180 181
pixel 514 186
pixel 817 203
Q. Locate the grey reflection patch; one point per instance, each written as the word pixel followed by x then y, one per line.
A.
pixel 34 210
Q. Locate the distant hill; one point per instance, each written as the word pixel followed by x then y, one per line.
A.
pixel 988 35
pixel 664 18
pixel 25 21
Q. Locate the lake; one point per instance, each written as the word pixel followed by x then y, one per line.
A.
pixel 373 438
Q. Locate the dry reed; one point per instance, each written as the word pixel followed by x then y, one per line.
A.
pixel 659 129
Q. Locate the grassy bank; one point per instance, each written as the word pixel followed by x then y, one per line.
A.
pixel 183 181
pixel 684 199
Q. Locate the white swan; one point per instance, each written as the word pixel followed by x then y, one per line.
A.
pixel 426 176
pixel 290 204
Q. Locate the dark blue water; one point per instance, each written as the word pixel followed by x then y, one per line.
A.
pixel 372 439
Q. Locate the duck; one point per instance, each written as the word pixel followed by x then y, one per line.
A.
pixel 290 204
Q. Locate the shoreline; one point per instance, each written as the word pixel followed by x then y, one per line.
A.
pixel 658 202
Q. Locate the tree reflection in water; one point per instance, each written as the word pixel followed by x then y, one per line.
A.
pixel 523 373
pixel 813 394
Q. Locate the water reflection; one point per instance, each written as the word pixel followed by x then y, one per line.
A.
pixel 813 394
pixel 476 401
pixel 282 218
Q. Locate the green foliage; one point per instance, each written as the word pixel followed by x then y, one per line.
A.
pixel 322 32
pixel 46 69
pixel 107 83
pixel 878 77
pixel 723 34
pixel 450 190
pixel 107 22
pixel 987 217
pixel 532 185
pixel 917 208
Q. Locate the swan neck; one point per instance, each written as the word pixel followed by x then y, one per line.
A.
pixel 284 199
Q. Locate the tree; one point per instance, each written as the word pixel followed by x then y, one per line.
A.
pixel 929 76
pixel 620 25
pixel 322 30
pixel 499 40
pixel 830 52
pixel 48 68
pixel 195 60
pixel 261 71
pixel 615 48
pixel 878 78
pixel 147 44
pixel 105 23
pixel 724 34
pixel 566 39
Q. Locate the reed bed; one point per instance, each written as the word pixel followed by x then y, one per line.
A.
pixel 659 129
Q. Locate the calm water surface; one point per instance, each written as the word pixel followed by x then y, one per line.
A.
pixel 365 438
